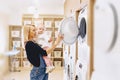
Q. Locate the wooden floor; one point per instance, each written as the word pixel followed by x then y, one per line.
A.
pixel 57 74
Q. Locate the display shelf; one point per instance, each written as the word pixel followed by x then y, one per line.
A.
pixel 15 39
pixel 51 22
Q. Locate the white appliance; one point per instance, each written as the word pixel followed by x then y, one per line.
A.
pixel 83 49
pixel 82 62
pixel 66 60
pixel 73 32
pixel 72 57
pixel 69 63
pixel 106 40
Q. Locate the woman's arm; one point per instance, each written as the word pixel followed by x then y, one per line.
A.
pixel 58 40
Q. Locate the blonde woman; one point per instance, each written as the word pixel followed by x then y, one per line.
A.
pixel 35 53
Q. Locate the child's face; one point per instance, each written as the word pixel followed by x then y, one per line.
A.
pixel 41 30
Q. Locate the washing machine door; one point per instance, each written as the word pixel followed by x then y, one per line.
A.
pixel 82 24
pixel 106 59
pixel 106 26
pixel 69 29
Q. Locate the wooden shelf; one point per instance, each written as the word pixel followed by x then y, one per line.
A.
pixel 28 19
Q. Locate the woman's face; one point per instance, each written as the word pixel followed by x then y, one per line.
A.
pixel 32 32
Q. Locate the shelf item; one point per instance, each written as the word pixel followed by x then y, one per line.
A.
pixel 15 33
pixel 57 63
pixel 47 24
pixel 57 24
pixel 16 44
pixel 57 54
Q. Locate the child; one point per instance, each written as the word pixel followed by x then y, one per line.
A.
pixel 44 41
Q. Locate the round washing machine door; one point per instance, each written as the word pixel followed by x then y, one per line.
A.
pixel 69 29
pixel 82 24
pixel 106 26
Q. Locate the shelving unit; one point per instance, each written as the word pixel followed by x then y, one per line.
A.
pixel 51 22
pixel 15 32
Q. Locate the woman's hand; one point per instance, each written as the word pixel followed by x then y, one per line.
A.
pixel 59 38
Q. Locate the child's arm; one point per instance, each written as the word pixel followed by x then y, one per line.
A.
pixel 49 50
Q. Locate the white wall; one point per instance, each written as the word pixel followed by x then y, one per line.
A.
pixel 45 7
pixel 4 41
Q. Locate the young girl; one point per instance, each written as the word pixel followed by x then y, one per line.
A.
pixel 44 41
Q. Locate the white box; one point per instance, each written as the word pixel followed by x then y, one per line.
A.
pixel 47 23
pixel 57 63
pixel 57 54
pixel 16 43
pixel 26 63
pixel 15 33
pixel 57 24
pixel 15 63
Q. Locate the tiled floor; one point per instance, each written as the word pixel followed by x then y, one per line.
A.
pixel 57 74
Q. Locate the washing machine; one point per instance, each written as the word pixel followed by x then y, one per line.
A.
pixel 82 62
pixel 106 40
pixel 73 32
pixel 69 63
pixel 66 63
pixel 83 48
pixel 72 57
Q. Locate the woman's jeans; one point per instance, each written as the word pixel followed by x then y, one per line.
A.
pixel 38 73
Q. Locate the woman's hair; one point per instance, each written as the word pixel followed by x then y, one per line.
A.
pixel 26 31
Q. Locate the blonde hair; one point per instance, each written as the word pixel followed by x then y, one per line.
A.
pixel 26 31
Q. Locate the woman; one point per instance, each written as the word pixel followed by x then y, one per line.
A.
pixel 35 53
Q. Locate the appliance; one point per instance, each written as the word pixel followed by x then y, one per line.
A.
pixel 69 62
pixel 73 32
pixel 82 62
pixel 83 48
pixel 66 63
pixel 72 59
pixel 106 40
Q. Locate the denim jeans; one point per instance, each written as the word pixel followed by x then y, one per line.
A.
pixel 38 73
